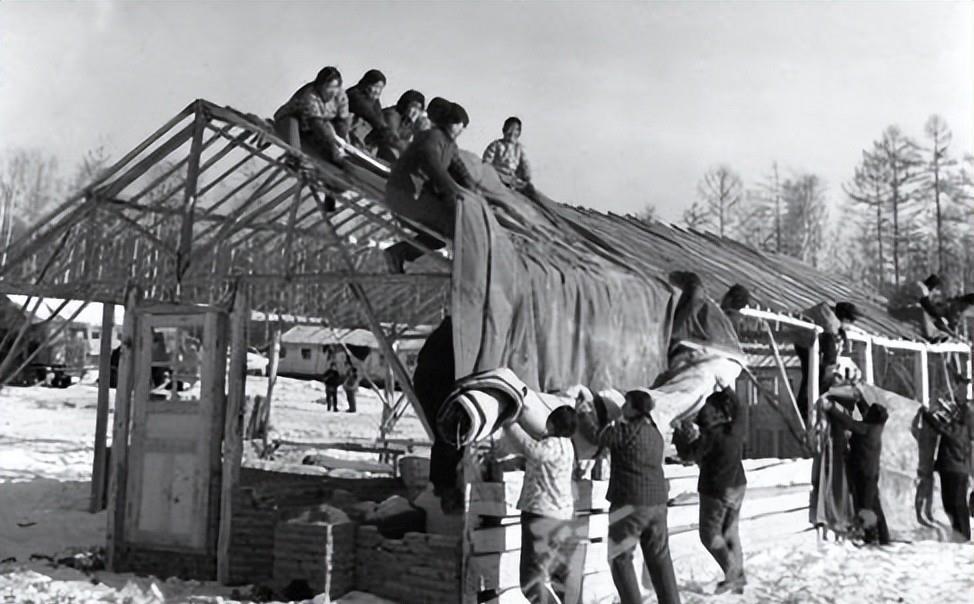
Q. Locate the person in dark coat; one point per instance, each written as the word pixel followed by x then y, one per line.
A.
pixel 321 110
pixel 954 466
pixel 402 122
pixel 332 380
pixel 350 385
pixel 425 186
pixel 433 381
pixel 833 320
pixel 865 448
pixel 366 109
pixel 722 483
pixel 637 497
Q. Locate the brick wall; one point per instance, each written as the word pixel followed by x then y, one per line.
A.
pixel 265 497
pixel 420 568
pixel 323 555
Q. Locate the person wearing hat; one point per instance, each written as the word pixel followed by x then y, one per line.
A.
pixel 366 109
pixel 637 495
pixel 546 502
pixel 321 110
pixel 718 450
pixel 402 120
pixel 425 186
pixel 508 158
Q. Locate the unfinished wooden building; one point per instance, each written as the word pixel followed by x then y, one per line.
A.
pixel 213 217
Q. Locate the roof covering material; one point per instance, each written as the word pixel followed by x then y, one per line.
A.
pixel 256 212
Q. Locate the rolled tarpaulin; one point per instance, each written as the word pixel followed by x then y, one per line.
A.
pixel 480 404
pixel 483 403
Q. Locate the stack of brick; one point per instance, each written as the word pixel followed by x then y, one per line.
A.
pixel 319 553
pixel 420 568
pixel 493 567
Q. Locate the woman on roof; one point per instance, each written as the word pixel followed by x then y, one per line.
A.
pixel 321 111
pixel 402 120
pixel 367 117
pixel 508 158
pixel 425 184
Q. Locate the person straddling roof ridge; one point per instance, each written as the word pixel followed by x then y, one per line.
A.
pixel 546 502
pixel 508 158
pixel 402 122
pixel 833 320
pixel 637 497
pixel 366 109
pixel 321 110
pixel 425 184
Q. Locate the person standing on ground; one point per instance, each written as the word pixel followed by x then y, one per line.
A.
pixel 332 380
pixel 954 466
pixel 546 503
pixel 865 447
pixel 722 483
pixel 637 497
pixel 351 387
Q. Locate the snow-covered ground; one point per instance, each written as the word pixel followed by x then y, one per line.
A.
pixel 45 468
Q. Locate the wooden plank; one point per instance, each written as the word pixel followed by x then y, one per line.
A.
pixel 189 195
pixel 493 571
pixel 783 374
pixel 496 539
pixel 591 494
pixel 101 420
pixel 814 371
pixel 868 373
pixel 214 391
pixel 921 377
pixel 120 435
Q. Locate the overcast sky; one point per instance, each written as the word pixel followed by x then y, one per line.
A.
pixel 624 104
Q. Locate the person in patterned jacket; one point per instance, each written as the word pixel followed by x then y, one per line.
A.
pixel 546 503
pixel 321 109
pixel 508 158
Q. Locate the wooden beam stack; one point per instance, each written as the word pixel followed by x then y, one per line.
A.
pixel 494 547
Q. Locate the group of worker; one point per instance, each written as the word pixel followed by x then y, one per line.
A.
pixel 416 139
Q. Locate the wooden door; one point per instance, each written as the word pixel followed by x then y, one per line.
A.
pixel 177 425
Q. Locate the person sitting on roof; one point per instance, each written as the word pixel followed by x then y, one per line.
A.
pixel 368 121
pixel 321 110
pixel 507 156
pixel 401 120
pixel 834 320
pixel 425 184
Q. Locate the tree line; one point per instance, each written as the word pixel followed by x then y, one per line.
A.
pixel 908 211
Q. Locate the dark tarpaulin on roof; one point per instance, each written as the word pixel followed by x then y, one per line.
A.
pixel 557 315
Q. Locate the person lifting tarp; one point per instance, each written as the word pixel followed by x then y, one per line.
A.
pixel 427 182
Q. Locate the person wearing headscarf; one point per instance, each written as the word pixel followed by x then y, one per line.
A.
pixel 321 110
pixel 401 121
pixel 366 109
pixel 425 185
pixel 506 155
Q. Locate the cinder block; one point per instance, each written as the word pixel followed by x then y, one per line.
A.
pixel 497 539
pixel 492 571
pixel 591 494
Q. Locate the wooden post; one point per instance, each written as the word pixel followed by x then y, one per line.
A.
pixel 101 420
pixel 784 374
pixel 969 371
pixel 868 373
pixel 189 197
pixel 921 377
pixel 814 380
pixel 117 482
pixel 273 362
pixel 233 427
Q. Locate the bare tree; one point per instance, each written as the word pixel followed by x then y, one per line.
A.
pixel 721 192
pixel 648 214
pixel 868 188
pixel 805 217
pixel 29 184
pixel 902 159
pixel 936 181
pixel 696 217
